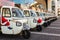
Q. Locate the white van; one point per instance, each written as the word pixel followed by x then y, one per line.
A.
pixel 32 19
pixel 17 22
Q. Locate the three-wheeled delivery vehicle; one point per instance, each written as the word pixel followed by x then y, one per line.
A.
pixel 17 24
pixel 34 21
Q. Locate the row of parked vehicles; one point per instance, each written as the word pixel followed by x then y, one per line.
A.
pixel 22 21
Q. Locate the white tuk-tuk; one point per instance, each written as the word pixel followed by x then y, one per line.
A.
pixel 18 25
pixel 32 19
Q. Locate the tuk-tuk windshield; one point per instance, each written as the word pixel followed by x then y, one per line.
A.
pixel 26 13
pixel 6 12
pixel 17 12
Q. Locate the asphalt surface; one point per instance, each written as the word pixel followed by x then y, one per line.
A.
pixel 52 32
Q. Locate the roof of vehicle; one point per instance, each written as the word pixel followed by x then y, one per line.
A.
pixel 8 7
pixel 27 9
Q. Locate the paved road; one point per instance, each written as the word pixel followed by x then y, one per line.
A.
pixel 52 32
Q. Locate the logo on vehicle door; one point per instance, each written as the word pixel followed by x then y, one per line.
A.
pixel 34 20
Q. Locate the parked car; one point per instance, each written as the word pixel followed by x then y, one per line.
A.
pixel 17 22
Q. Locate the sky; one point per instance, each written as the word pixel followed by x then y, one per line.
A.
pixel 6 3
pixel 23 1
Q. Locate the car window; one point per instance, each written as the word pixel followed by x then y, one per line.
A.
pixel 32 13
pixel 37 13
pixel 46 14
pixel 16 12
pixel 42 14
pixel 6 12
pixel 26 13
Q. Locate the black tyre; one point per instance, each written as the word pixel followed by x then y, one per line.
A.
pixel 45 24
pixel 39 28
pixel 49 22
pixel 55 18
pixel 26 34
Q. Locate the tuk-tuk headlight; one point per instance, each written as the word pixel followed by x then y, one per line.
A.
pixel 18 23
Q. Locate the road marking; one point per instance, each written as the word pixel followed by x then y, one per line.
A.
pixel 54 23
pixel 54 27
pixel 50 34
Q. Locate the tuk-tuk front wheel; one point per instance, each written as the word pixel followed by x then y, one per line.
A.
pixel 45 24
pixel 49 22
pixel 26 34
pixel 39 28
